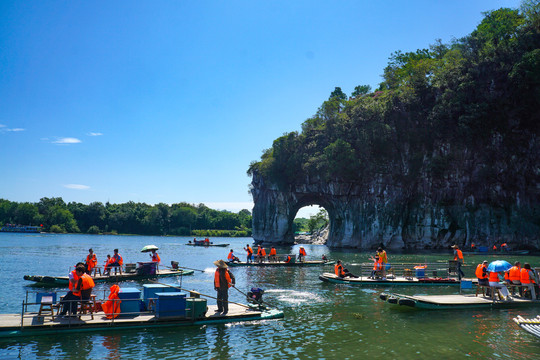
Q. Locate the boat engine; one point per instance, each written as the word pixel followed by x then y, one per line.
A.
pixel 255 296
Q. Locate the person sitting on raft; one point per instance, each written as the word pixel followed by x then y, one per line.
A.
pixel 155 257
pixel 377 267
pixel 91 261
pixel 231 257
pixel 513 277
pixel 80 289
pixel 528 278
pixel 494 283
pixel 341 272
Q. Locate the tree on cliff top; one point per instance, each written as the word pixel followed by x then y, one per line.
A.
pixel 480 93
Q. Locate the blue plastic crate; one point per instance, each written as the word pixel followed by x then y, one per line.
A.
pixel 131 301
pixel 170 304
pixel 150 291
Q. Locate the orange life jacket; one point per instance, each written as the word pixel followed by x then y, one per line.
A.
pixel 111 307
pixel 227 277
pixel 249 251
pixel 288 259
pixel 302 252
pixel 155 257
pixel 259 251
pixel 480 273
pixel 118 258
pixel 459 255
pixel 263 252
pixel 377 264
pixel 514 273
pixel 87 283
pixel 91 261
pixel 383 257
pixel 526 277
pixel 75 279
pixel 494 276
pixel 230 257
pixel 272 251
pixel 338 269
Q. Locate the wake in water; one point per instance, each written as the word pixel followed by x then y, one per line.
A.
pixel 295 297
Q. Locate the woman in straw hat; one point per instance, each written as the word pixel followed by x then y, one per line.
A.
pixel 223 280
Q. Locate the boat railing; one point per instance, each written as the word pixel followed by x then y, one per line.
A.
pixel 409 270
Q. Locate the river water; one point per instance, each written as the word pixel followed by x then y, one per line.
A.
pixel 322 321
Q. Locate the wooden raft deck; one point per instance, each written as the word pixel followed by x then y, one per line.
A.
pixel 10 324
pixel 438 302
pixel 42 280
pixel 395 280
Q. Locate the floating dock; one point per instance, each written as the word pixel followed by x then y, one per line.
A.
pixel 446 302
pixel 30 324
pixel 390 281
pixel 62 281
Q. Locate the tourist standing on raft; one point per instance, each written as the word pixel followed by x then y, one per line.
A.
pixel 223 280
pixel 249 250
pixel 155 257
pixel 301 254
pixel 91 261
pixel 383 258
pixel 458 256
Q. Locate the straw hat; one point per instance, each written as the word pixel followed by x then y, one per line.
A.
pixel 220 264
pixel 455 246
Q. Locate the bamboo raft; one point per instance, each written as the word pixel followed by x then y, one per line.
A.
pixel 30 324
pixel 532 326
pixel 63 281
pixel 446 302
pixel 390 281
pixel 207 245
pixel 282 263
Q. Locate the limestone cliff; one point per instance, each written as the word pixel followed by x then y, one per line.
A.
pixel 476 199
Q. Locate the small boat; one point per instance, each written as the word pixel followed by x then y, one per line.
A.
pixel 193 312
pixel 62 281
pixel 282 263
pixel 532 326
pixel 390 281
pixel 207 245
pixel 500 253
pixel 20 228
pixel 450 302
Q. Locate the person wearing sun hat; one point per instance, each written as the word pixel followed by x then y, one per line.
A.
pixel 223 280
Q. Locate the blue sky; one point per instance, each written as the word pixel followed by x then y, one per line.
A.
pixel 170 101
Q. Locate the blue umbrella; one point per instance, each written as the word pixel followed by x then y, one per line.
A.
pixel 499 265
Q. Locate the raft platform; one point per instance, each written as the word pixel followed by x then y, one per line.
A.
pixel 532 326
pixel 208 245
pixel 281 263
pixel 447 302
pixel 63 281
pixel 390 281
pixel 30 324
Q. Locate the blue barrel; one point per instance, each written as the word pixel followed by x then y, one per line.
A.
pixel 170 304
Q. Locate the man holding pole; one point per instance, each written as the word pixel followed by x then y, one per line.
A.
pixel 223 280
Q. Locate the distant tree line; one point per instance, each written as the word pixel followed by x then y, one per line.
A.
pixel 128 218
pixel 478 94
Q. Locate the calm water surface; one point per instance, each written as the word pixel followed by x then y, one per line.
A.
pixel 322 321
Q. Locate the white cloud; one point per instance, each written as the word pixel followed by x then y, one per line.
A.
pixel 77 186
pixel 16 129
pixel 95 134
pixel 2 125
pixel 67 141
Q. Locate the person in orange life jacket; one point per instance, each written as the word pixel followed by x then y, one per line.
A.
pixel 273 254
pixel 383 258
pixel 231 257
pixel 301 253
pixel 513 277
pixel 80 285
pixel 494 281
pixel 91 261
pixel 528 278
pixel 377 266
pixel 259 257
pixel 155 257
pixel 117 260
pixel 494 247
pixel 482 275
pixel 223 280
pixel 249 253
pixel 342 272
pixel 458 256
pixel 106 267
